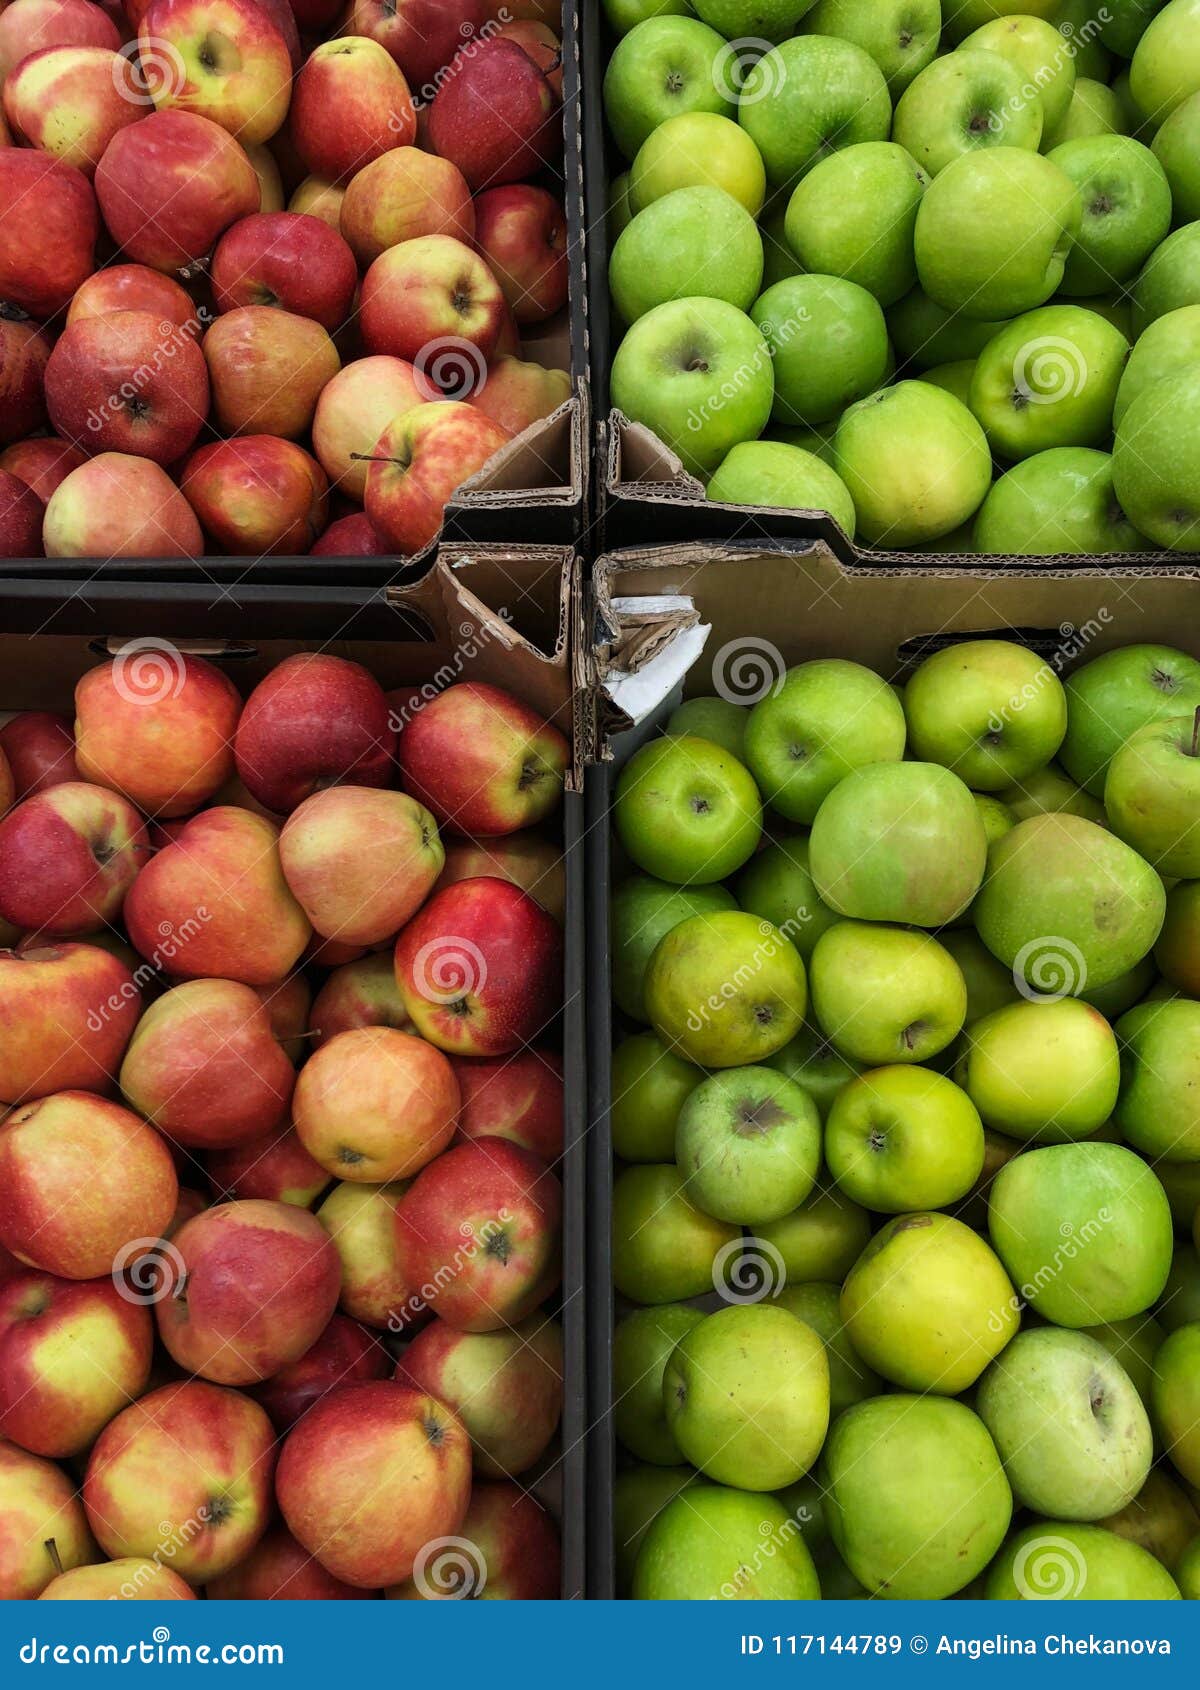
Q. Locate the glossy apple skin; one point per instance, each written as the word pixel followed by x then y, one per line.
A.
pixel 70 856
pixel 70 102
pixel 354 409
pixel 257 495
pixel 431 289
pixel 369 1476
pixel 267 368
pixel 186 1472
pixel 495 115
pixel 518 393
pixel 375 1105
pixel 537 39
pixel 349 536
pixel 421 35
pixel 157 724
pixel 39 1504
pixel 315 720
pixel 533 863
pixel 41 463
pixel 418 463
pixel 24 350
pixel 362 993
pixel 132 1578
pixel 21 514
pixel 350 104
pixel 521 232
pixel 28 26
pixel 275 1166
pixel 345 1354
pixel 279 1570
pixel 288 260
pixel 40 748
pixel 518 1097
pixel 99 361
pixel 135 287
pixel 72 1354
pixel 509 1260
pixel 516 1552
pixel 215 904
pixel 249 95
pixel 80 1180
pixel 405 193
pixel 43 259
pixel 67 1012
pixel 120 506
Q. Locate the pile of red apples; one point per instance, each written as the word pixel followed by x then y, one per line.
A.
pixel 265 266
pixel 280 1109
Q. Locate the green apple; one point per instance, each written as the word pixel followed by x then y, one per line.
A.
pixel 1126 210
pixel 816 1066
pixel 989 984
pixel 1134 1343
pixel 853 216
pixel 821 1240
pixel 991 710
pixel 1160 1519
pixel 1158 1111
pixel 1094 110
pixel 963 16
pixel 1056 503
pixel 1152 795
pixel 760 21
pixel 1166 62
pixel 686 811
pixel 624 15
pixel 664 1250
pixel 776 884
pixel 808 96
pixel 827 718
pixel 886 994
pixel 642 1345
pixel 850 1379
pixel 1049 379
pixel 748 1143
pixel 953 378
pixel 900 35
pixel 902 1138
pixel 1046 1071
pixel 726 990
pixel 828 343
pixel 698 149
pixel 926 336
pixel 916 1498
pixel 1180 1304
pixel 650 1085
pixel 1178 950
pixel 1071 1429
pixel 899 842
pixel 1125 22
pixel 1084 1230
pixel 642 910
pixel 1169 279
pixel 714 1544
pixel 1169 347
pixel 1038 54
pixel 1066 905
pixel 779 261
pixel 747 1396
pixel 765 472
pixel 698 373
pixel 1133 119
pixel 662 67
pixel 1176 146
pixel 640 1494
pixel 1077 22
pixel 1110 697
pixel 994 231
pixel 916 463
pixel 693 243
pixel 1049 791
pixel 928 1304
pixel 1061 1561
pixel 1181 1182
pixel 716 719
pixel 1176 1397
pixel 964 103
pixel 1156 462
pixel 620 212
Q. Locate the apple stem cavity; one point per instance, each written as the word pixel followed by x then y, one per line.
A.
pixel 51 1547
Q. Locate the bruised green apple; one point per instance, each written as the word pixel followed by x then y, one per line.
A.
pixel 778 885
pixel 686 811
pixel 642 1346
pixel 715 719
pixel 886 994
pixel 1134 1343
pixel 640 1493
pixel 989 984
pixel 748 1144
pixel 1152 795
pixel 1061 1561
pixel 1158 1111
pixel 643 911
pixel 725 990
pixel 816 1066
pixel 991 710
pixel 649 1087
pixel 1115 694
pixel 822 1239
pixel 1046 1071
pixel 664 1249
pixel 903 1138
pixel 850 1379
pixel 717 1544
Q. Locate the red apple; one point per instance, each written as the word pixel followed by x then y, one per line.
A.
pixel 40 748
pixel 518 1097
pixel 184 1475
pixel 428 292
pixel 421 35
pixel 514 1553
pixel 371 1475
pixel 120 506
pixel 354 409
pixel 267 369
pixel 72 1355
pixel 67 1013
pixel 280 1571
pixel 24 350
pixel 350 104
pixel 402 195
pixel 128 382
pixel 505 1387
pixel 375 1104
pixel 81 1181
pixel 257 496
pixel 418 464
pixel 21 514
pixel 27 26
pixel 171 185
pixel 132 1578
pixel 533 863
pixel 345 1354
pixel 495 115
pixel 284 18
pixel 315 721
pixel 43 1528
pixel 349 536
pixel 70 102
pixel 315 197
pixel 284 259
pixel 70 855
pixel 358 994
pixel 42 464
pixel 48 229
pixel 275 1167
pixel 539 41
pixel 516 394
pixel 287 1003
pixel 135 287
pixel 215 905
pixel 521 232
pixel 220 59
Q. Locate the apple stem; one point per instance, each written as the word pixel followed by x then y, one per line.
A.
pixel 1196 733
pixel 52 1551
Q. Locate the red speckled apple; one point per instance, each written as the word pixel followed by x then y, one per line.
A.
pixel 70 856
pixel 120 506
pixel 275 1166
pixel 135 287
pixel 518 1097
pixel 345 1354
pixel 21 515
pixel 375 1104
pixel 40 748
pixel 495 115
pixel 521 231
pixel 287 260
pixel 421 35
pixel 24 349
pixel 314 721
pixel 425 292
pixel 44 258
pixel 516 1553
pixel 418 463
pixel 66 1015
pixel 533 863
pixel 70 102
pixel 358 994
pixel 43 1528
pixel 350 104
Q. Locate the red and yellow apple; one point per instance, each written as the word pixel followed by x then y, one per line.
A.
pixel 426 292
pixel 39 746
pixel 345 1354
pixel 418 463
pixel 48 228
pixel 225 60
pixel 257 495
pixel 128 382
pixel 279 1570
pixel 517 393
pixel 275 1166
pixel 43 1528
pixel 521 232
pixel 354 408
pixel 70 855
pixel 120 506
pixel 350 104
pixel 314 721
pixel 70 102
pixel 358 994
pixel 285 259
pixel 403 194
pixel 360 861
pixel 267 368
pixel 518 1097
pixel 374 1105
pixel 67 1013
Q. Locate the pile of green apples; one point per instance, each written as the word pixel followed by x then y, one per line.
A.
pixel 907 1120
pixel 931 266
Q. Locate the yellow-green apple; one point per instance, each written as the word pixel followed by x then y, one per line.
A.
pixel 425 292
pixel 24 349
pixel 1166 68
pixel 120 506
pixel 514 1556
pixel 1152 794
pixel 279 1570
pixel 28 26
pixel 822 1239
pixel 287 260
pixel 360 862
pixel 521 233
pixel 39 746
pixel 516 393
pixel 70 102
pixel 528 861
pixel 991 710
pixel 886 994
pixel 349 536
pixel 374 1104
pixel 1046 1071
pixel 267 369
pixel 1177 952
pixel 479 1233
pixel 480 968
pixel 66 1015
pixel 130 1578
pixel 81 1180
pixel 1115 694
pixel 72 1355
pixel 350 104
pixel 358 994
pixel 419 462
pixel 171 185
pixel 1157 1111
pixel 345 1354
pixel 220 59
pixel 369 1476
pixel 258 494
pixel 313 721
pixel 421 35
pixel 70 856
pixel 274 1166
pixel 135 287
pixel 43 259
pixel 257 1284
pixel 505 1387
pixel 215 904
pixel 1176 1399
pixel 495 115
pixel 354 408
pixel 361 1220
pixel 21 515
pixel 287 1003
pixel 663 1248
pixel 725 989
pixel 43 1528
pixel 902 1138
pixel 315 197
pixel 206 1068
pixel 518 1097
pixel 157 724
pixel 403 194
pixel 185 1474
